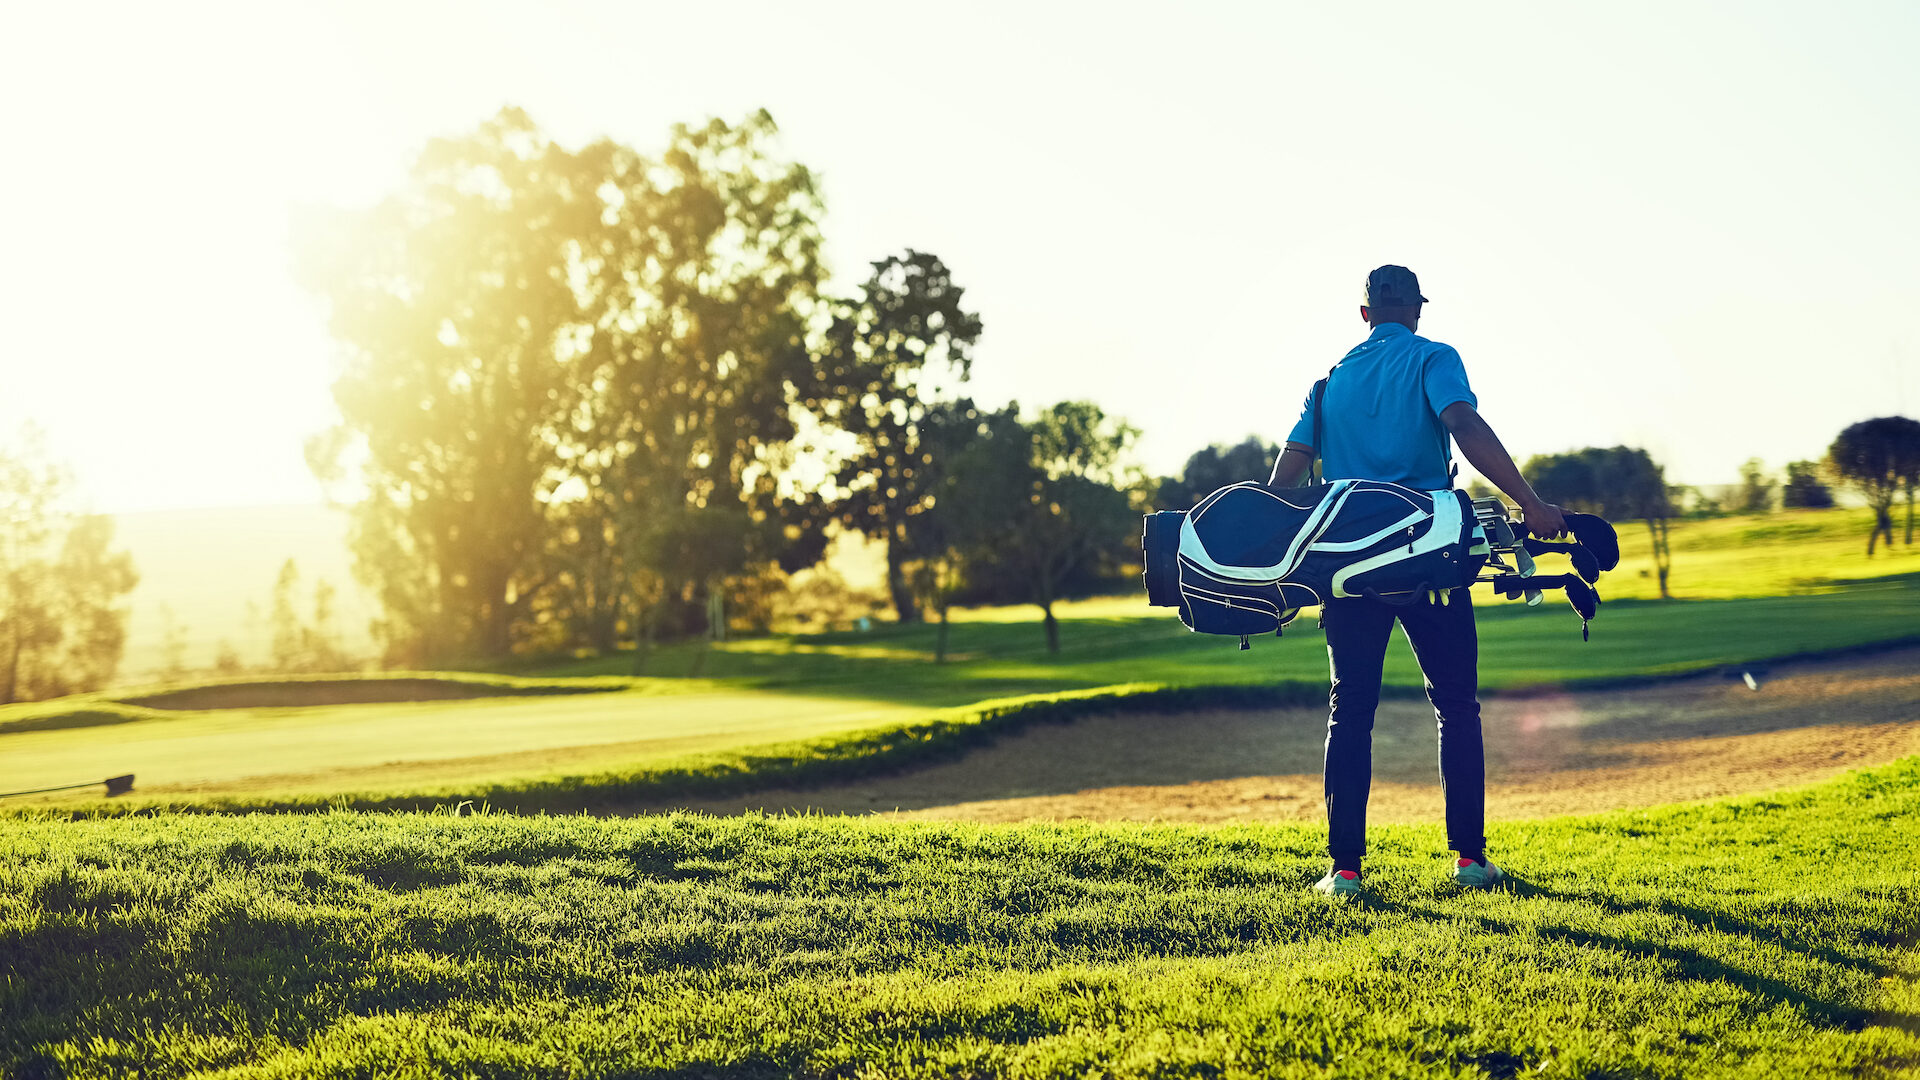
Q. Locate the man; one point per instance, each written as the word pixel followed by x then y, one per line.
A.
pixel 1386 413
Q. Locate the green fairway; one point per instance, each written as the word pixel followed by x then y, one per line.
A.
pixel 1759 937
pixel 1519 646
pixel 414 746
pixel 1774 554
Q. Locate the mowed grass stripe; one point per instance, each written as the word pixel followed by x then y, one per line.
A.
pixel 1744 938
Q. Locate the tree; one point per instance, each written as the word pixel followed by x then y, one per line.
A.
pixel 974 462
pixel 1619 483
pixel 1880 457
pixel 304 645
pixel 1691 502
pixel 173 645
pixel 1066 478
pixel 226 658
pixel 1756 487
pixel 530 328
pixel 459 307
pixel 696 356
pixel 592 584
pixel 1804 488
pixel 1213 468
pixel 63 626
pixel 883 362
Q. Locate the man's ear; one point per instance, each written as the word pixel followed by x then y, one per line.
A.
pixel 1364 317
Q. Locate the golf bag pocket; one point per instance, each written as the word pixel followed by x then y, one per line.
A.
pixel 1233 608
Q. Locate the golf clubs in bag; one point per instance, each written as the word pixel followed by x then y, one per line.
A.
pixel 1246 559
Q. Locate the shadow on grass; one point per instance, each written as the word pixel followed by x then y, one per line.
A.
pixel 1693 965
pixel 274 970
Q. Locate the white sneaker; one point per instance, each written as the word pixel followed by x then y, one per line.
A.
pixel 1339 883
pixel 1472 875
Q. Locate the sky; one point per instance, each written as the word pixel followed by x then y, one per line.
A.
pixel 1684 226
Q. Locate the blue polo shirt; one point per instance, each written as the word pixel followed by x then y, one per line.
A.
pixel 1380 418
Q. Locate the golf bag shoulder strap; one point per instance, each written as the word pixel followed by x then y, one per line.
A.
pixel 1315 473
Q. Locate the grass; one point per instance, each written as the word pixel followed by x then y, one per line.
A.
pixel 1519 646
pixel 315 753
pixel 1777 554
pixel 1758 937
pixel 818 696
pixel 595 785
pixel 167 701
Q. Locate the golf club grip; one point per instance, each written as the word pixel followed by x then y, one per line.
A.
pixel 1520 531
pixel 1515 585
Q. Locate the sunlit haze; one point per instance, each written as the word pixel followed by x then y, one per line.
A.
pixel 1686 227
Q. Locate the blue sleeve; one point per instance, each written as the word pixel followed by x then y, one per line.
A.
pixel 1302 432
pixel 1445 380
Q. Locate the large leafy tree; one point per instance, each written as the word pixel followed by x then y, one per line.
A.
pixel 885 359
pixel 1620 483
pixel 1213 468
pixel 63 625
pixel 569 382
pixel 695 359
pixel 1880 458
pixel 972 479
pixel 459 302
pixel 1070 503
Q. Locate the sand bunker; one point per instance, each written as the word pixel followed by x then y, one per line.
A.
pixel 1551 754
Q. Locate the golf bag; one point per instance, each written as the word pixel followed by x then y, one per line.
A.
pixel 1247 559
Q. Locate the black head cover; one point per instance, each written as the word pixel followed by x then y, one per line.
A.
pixel 1596 536
pixel 1582 597
pixel 1585 563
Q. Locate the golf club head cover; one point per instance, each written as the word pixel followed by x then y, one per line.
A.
pixel 1583 598
pixel 1585 563
pixel 1592 533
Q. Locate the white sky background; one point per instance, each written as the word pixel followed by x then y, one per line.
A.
pixel 1681 226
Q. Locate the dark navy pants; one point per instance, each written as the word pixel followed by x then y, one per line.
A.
pixel 1448 649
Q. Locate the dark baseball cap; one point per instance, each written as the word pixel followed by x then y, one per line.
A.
pixel 1392 286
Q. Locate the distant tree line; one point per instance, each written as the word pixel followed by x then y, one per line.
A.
pixel 63 623
pixel 1879 458
pixel 582 389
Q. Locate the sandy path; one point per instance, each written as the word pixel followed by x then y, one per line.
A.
pixel 1554 754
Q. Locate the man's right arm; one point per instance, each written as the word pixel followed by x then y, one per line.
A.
pixel 1297 458
pixel 1483 450
pixel 1291 466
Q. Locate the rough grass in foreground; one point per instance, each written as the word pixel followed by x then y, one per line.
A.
pixel 1747 938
